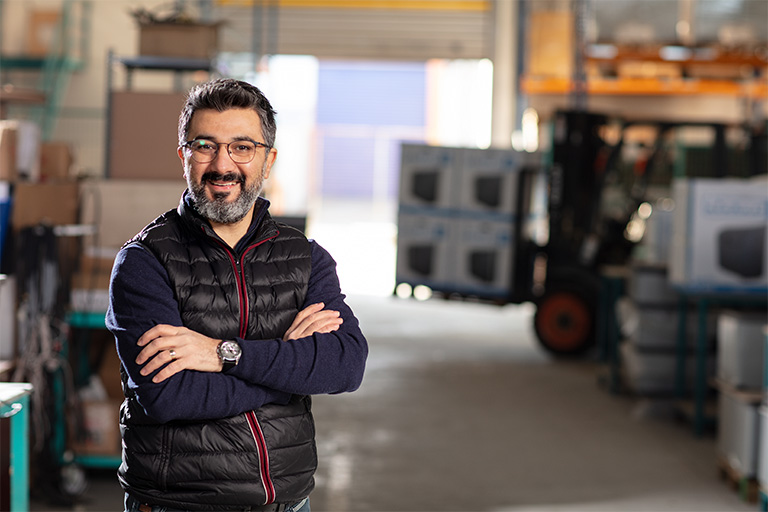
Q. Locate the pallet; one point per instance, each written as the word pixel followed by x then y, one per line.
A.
pixel 746 487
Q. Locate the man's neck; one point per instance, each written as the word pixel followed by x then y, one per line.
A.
pixel 232 233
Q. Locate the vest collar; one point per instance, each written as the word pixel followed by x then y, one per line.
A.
pixel 189 213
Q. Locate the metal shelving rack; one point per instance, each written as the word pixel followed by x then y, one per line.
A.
pixel 43 102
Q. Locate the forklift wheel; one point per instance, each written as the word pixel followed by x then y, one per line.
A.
pixel 564 322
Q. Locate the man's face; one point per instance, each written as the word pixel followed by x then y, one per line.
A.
pixel 224 191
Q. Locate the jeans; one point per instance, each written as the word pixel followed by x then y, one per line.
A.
pixel 132 505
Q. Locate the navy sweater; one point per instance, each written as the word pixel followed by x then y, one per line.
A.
pixel 269 371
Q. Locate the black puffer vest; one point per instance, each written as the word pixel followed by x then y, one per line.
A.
pixel 255 458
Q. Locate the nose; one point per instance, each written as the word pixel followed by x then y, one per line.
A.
pixel 222 158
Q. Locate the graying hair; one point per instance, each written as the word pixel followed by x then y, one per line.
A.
pixel 224 94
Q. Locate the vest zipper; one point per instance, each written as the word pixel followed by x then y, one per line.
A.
pixel 242 290
pixel 253 422
pixel 261 447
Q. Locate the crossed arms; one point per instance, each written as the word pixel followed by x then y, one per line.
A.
pixel 323 351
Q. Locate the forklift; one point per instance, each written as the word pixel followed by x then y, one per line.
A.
pixel 561 275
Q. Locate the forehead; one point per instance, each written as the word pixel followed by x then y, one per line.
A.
pixel 236 122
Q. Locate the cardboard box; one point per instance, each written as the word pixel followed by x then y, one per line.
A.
pixel 429 176
pixel 762 457
pixel 550 44
pixel 187 40
pixel 93 273
pixel 132 205
pixel 55 203
pixel 42 32
pixel 56 160
pixel 737 432
pixel 649 69
pixel 109 371
pixel 654 372
pixel 740 345
pixel 100 430
pixel 8 143
pixel 25 162
pixel 141 150
pixel 488 181
pixel 484 257
pixel 649 286
pixel 720 234
pixel 424 249
pixel 85 300
pixel 92 281
pixel 656 327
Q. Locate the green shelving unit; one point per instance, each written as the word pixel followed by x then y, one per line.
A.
pixel 42 102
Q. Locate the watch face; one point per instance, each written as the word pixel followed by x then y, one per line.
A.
pixel 230 350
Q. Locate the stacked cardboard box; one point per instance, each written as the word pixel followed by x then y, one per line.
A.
pixel 180 40
pixel 720 234
pixel 117 210
pixel 740 374
pixel 650 318
pixel 457 219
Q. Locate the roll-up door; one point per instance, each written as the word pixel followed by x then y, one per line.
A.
pixel 360 29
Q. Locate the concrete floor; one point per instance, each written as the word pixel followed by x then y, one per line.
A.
pixel 461 411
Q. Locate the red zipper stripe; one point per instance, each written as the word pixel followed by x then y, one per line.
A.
pixel 253 422
pixel 239 270
pixel 261 446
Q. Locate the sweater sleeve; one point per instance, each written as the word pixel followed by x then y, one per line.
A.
pixel 141 297
pixel 317 364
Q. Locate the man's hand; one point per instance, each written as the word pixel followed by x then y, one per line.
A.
pixel 183 348
pixel 313 319
pixel 180 348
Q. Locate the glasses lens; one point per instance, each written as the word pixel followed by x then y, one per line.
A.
pixel 242 151
pixel 202 151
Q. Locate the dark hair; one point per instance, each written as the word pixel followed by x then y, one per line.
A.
pixel 224 94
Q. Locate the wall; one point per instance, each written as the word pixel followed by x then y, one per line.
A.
pixel 81 121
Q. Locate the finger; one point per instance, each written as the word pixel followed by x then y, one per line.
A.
pixel 300 317
pixel 324 327
pixel 162 358
pixel 154 347
pixel 307 312
pixel 304 327
pixel 169 371
pixel 156 332
pixel 324 321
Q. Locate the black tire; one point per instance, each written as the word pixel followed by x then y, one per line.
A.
pixel 565 319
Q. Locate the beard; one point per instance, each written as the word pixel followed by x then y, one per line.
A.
pixel 219 209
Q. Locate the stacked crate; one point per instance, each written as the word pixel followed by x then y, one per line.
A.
pixel 762 458
pixel 740 344
pixel 649 317
pixel 425 216
pixel 457 219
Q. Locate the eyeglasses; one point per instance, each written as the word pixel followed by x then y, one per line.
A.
pixel 205 151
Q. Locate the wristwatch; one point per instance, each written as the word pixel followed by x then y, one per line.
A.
pixel 229 353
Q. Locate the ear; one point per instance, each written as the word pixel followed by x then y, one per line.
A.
pixel 180 152
pixel 269 162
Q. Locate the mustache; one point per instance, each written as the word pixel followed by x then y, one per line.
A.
pixel 227 176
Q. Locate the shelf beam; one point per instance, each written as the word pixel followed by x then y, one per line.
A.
pixel 647 87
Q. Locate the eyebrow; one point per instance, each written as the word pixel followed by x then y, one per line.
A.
pixel 234 139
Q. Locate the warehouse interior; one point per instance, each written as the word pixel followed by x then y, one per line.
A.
pixel 549 216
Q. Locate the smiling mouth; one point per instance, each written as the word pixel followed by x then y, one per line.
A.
pixel 225 181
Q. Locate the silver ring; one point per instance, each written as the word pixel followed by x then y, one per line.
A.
pixel 172 353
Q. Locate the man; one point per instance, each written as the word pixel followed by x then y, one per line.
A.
pixel 225 322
